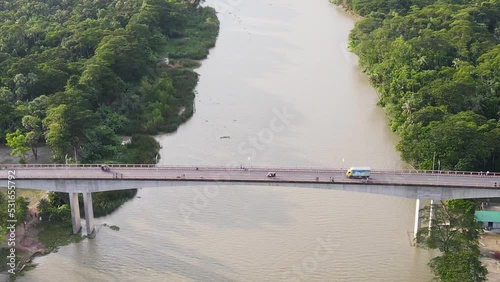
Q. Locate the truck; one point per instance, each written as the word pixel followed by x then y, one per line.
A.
pixel 359 172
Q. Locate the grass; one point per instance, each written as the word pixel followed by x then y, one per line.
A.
pixel 56 234
pixel 33 195
pixel 198 36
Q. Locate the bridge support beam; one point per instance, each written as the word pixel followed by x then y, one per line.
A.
pixel 418 220
pixel 89 212
pixel 75 212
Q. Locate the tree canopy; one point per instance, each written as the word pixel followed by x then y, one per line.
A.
pixel 75 74
pixel 455 232
pixel 436 67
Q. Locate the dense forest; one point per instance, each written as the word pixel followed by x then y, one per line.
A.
pixel 436 67
pixel 76 74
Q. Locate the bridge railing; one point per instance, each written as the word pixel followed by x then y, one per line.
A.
pixel 437 172
pixel 253 168
pixel 166 167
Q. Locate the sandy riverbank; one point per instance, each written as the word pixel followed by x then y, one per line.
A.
pixel 27 243
pixel 490 244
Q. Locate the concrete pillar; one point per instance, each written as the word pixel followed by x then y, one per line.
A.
pixel 431 215
pixel 418 207
pixel 89 212
pixel 75 212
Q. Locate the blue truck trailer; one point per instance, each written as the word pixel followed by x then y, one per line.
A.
pixel 359 172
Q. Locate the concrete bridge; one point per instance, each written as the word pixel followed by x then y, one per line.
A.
pixel 87 179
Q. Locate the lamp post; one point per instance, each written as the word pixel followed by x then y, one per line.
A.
pixel 439 171
pixel 433 161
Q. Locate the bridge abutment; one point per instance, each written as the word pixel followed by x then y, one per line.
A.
pixel 89 212
pixel 75 212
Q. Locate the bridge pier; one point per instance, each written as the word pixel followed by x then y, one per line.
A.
pixel 89 212
pixel 432 214
pixel 418 220
pixel 75 212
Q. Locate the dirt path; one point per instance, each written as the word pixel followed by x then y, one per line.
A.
pixel 27 235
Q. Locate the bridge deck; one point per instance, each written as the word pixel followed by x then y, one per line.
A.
pixel 253 174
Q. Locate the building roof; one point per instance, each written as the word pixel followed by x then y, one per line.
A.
pixel 487 216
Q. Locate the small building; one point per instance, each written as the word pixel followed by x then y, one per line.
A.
pixel 490 219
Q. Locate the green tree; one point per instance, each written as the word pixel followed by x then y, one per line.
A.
pixel 453 226
pixel 35 132
pixel 460 266
pixel 67 124
pixel 61 213
pixel 464 141
pixel 22 84
pixel 99 143
pixel 43 207
pixel 455 232
pixel 8 115
pixel 21 208
pixel 142 149
pixel 19 144
pixel 3 214
pixel 57 134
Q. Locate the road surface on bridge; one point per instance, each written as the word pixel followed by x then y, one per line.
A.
pixel 252 174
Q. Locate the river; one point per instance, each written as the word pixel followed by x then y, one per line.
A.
pixel 280 88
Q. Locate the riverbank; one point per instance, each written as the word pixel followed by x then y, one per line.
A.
pixel 27 241
pixel 490 250
pixel 37 238
pixel 346 8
